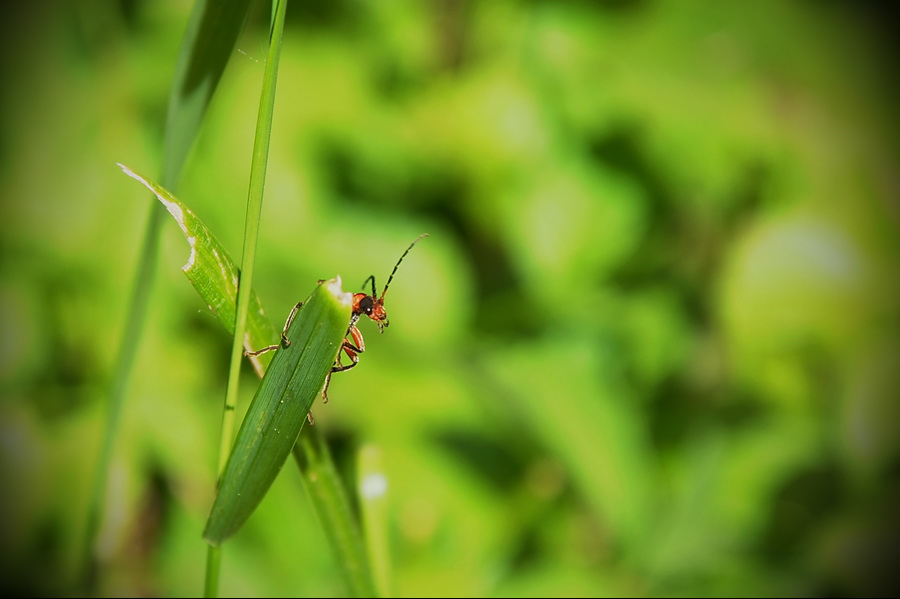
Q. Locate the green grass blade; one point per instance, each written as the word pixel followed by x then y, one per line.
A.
pixel 294 379
pixel 213 273
pixel 251 226
pixel 332 504
pixel 209 43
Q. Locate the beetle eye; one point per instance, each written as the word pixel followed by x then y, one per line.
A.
pixel 366 304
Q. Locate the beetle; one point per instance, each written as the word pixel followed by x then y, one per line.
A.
pixel 363 304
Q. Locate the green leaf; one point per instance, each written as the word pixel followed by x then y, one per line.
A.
pixel 294 379
pixel 209 43
pixel 214 275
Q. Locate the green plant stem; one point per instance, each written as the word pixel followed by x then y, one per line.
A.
pixel 251 227
pixel 251 234
pixel 213 566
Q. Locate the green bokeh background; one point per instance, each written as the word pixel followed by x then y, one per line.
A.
pixel 650 347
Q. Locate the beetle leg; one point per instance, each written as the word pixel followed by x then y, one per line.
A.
pixel 284 340
pixel 325 387
pixel 263 350
pixel 352 353
pixel 351 350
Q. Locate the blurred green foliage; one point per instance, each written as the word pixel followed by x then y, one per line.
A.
pixel 650 348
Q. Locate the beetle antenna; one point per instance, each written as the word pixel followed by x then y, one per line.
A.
pixel 386 285
pixel 369 278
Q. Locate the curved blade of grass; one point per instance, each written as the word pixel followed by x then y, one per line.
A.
pixel 208 44
pixel 329 496
pixel 293 380
pixel 213 274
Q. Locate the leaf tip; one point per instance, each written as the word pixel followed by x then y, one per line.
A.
pixel 336 288
pixel 175 208
pixel 127 170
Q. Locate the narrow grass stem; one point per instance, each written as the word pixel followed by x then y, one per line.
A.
pixel 251 234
